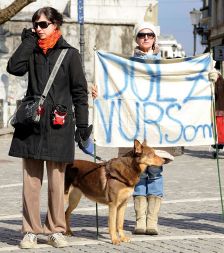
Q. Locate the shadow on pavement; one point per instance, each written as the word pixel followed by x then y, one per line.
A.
pixel 79 225
pixel 78 220
pixel 202 153
pixel 195 221
pixel 11 237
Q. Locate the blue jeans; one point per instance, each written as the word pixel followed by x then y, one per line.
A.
pixel 151 183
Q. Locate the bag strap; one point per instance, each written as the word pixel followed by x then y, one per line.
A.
pixel 52 76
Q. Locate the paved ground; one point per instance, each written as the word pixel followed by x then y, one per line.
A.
pixel 190 219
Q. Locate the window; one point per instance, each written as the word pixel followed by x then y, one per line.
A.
pixel 222 12
pixel 215 12
pixel 161 53
pixel 205 3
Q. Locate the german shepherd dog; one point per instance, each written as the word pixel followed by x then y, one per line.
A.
pixel 110 183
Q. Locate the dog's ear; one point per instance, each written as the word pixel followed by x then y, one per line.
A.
pixel 144 143
pixel 137 147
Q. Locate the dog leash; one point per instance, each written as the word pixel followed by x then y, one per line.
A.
pixel 95 156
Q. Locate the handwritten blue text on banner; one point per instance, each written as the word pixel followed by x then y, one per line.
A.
pixel 167 102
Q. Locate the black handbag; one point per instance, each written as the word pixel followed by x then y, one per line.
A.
pixel 28 112
pixel 31 108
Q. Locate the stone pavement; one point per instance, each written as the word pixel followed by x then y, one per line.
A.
pixel 190 218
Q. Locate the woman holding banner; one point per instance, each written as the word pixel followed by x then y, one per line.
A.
pixel 148 192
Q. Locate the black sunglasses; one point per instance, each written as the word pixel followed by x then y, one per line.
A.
pixel 149 35
pixel 41 24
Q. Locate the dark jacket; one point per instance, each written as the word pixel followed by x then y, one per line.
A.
pixel 69 88
pixel 219 94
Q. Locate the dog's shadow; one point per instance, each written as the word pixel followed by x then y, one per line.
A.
pixel 90 221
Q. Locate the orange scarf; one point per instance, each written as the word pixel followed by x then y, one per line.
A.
pixel 50 41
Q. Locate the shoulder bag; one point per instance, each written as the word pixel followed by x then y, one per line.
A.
pixel 31 108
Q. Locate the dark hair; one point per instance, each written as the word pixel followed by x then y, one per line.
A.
pixel 51 14
pixel 153 46
pixel 218 65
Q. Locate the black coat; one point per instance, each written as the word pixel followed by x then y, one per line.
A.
pixel 219 94
pixel 69 88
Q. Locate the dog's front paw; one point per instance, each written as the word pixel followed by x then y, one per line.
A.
pixel 125 239
pixel 116 241
pixel 69 233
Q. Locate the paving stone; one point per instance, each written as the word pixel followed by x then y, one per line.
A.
pixel 190 218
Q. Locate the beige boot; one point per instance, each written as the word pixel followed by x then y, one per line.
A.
pixel 154 203
pixel 140 205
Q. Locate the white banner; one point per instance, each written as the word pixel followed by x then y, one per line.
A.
pixel 166 102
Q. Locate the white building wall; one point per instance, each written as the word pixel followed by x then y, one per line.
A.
pixel 100 11
pixel 58 4
pixel 108 26
pixel 116 11
pixel 217 23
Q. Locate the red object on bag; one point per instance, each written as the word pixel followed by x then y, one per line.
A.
pixel 220 129
pixel 59 118
pixel 40 110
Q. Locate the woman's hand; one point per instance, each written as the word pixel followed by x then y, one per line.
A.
pixel 94 91
pixel 30 36
pixel 213 75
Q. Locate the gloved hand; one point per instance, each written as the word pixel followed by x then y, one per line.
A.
pixel 83 133
pixel 213 75
pixel 83 140
pixel 29 36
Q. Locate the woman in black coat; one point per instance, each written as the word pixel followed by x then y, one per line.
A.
pixel 50 142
